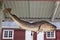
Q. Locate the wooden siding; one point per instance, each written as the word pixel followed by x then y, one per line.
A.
pixel 35 36
pixel 58 35
pixel 19 34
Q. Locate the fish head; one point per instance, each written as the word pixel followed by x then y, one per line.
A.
pixel 47 28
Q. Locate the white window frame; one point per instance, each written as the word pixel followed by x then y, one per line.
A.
pixel 8 34
pixel 51 37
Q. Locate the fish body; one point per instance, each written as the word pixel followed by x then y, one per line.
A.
pixel 35 26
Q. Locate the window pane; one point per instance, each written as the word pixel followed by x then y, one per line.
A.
pixel 52 34
pixel 6 34
pixel 10 33
pixel 48 34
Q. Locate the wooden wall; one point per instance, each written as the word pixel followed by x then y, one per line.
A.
pixel 20 34
pixel 57 37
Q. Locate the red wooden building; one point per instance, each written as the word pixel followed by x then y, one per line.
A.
pixel 11 31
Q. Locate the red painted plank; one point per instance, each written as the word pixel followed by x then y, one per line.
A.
pixel 35 36
pixel 58 35
pixel 19 34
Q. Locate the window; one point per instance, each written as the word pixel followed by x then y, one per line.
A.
pixel 8 34
pixel 50 35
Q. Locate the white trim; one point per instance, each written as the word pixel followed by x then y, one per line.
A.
pixel 28 35
pixel 51 37
pixel 40 36
pixel 8 35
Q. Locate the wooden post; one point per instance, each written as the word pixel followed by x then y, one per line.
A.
pixel 35 36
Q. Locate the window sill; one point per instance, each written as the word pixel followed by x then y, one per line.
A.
pixel 7 38
pixel 50 37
